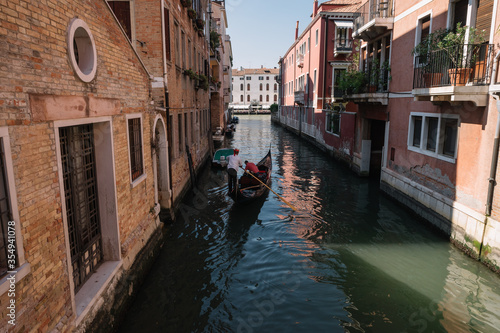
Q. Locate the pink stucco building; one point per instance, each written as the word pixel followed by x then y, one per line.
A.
pixel 439 154
pixel 407 114
pixel 310 102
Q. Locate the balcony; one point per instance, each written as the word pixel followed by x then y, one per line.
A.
pixel 373 19
pixel 371 87
pixel 342 46
pixel 298 97
pixel 454 75
pixel 214 57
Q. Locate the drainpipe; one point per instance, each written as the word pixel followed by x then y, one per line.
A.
pixel 496 142
pixel 327 20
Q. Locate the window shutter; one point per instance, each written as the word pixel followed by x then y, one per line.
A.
pixel 483 20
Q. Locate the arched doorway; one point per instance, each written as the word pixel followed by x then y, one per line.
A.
pixel 160 164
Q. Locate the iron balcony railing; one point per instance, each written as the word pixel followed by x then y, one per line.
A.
pixel 459 65
pixel 374 80
pixel 373 9
pixel 343 45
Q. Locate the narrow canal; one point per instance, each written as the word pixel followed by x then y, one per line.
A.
pixel 348 260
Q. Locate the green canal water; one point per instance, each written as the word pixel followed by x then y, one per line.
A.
pixel 348 260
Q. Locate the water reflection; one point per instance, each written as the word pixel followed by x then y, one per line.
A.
pixel 350 260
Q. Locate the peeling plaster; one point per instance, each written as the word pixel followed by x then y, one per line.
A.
pixel 430 178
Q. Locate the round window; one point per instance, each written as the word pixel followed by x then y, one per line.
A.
pixel 81 50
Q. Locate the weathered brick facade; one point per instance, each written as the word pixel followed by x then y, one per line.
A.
pixel 169 43
pixel 40 94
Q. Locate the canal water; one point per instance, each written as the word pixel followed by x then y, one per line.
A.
pixel 348 260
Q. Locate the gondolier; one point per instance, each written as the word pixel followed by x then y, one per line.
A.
pixel 234 162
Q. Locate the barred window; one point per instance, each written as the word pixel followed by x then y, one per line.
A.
pixel 7 251
pixel 135 144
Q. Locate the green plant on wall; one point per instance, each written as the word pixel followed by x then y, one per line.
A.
pixel 453 43
pixel 353 81
pixel 214 39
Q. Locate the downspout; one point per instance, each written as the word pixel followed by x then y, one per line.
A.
pixel 167 111
pixel 496 142
pixel 494 158
pixel 324 62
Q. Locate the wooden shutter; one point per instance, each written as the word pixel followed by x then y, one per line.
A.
pixel 483 19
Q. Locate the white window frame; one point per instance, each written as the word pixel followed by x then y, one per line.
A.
pixel 317 37
pixel 418 28
pixel 91 290
pixel 327 115
pixel 424 132
pixel 134 183
pixel 23 267
pixel 334 67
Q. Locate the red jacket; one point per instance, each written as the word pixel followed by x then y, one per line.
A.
pixel 251 167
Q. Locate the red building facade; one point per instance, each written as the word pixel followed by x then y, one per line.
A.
pixel 310 101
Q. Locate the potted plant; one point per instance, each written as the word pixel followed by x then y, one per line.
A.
pixel 461 52
pixel 352 81
pixel 191 13
pixel 214 39
pixel 422 52
pixel 200 23
pixel 203 82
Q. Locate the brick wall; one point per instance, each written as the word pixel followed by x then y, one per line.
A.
pixel 34 62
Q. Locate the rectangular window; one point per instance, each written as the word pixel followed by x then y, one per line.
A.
pixel 121 9
pixel 135 145
pixel 317 34
pixel 183 48
pixel 261 78
pixel 308 44
pixel 179 131
pixel 417 131
pixel 434 135
pixel 249 78
pixel 166 20
pixel 431 128
pixel 337 73
pixel 8 258
pixel 314 81
pixel 177 45
pixel 82 204
pixel 333 122
pixel 189 57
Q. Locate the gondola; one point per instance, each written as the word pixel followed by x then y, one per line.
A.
pixel 249 188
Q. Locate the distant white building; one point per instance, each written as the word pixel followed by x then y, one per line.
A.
pixel 256 87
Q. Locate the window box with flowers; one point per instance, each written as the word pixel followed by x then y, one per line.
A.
pixel 189 72
pixel 191 13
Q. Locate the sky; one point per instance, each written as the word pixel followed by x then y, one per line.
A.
pixel 263 30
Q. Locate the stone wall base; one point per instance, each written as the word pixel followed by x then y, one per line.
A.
pixel 470 231
pixel 119 294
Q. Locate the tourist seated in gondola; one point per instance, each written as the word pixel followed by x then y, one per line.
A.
pixel 251 167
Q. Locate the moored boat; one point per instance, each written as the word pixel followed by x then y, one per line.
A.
pixel 249 188
pixel 220 157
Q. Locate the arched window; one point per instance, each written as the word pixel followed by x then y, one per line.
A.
pixel 267 98
pixel 248 98
pixel 241 98
pixel 275 98
pixel 248 86
pixel 275 87
pixel 260 98
pixel 260 86
pixel 267 86
pixel 241 86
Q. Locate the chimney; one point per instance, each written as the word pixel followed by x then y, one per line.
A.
pixel 261 66
pixel 297 31
pixel 315 9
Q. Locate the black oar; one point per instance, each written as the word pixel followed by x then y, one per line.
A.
pixel 279 196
